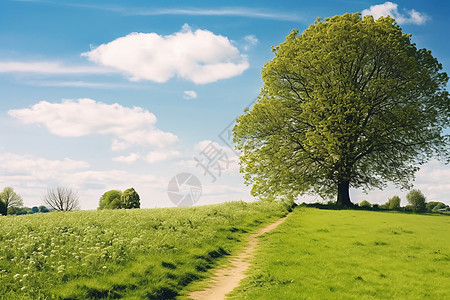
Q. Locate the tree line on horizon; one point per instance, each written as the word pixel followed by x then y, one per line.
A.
pixel 417 203
pixel 65 199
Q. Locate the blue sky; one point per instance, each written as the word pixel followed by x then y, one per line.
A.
pixel 100 95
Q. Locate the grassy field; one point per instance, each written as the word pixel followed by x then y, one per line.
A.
pixel 345 254
pixel 136 254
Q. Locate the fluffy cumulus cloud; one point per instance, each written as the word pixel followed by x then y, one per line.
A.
pixel 74 118
pixel 199 56
pixel 189 95
pixel 391 9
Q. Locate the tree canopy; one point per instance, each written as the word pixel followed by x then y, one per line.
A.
pixel 350 102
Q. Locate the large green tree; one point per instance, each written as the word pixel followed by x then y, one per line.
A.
pixel 11 199
pixel 350 102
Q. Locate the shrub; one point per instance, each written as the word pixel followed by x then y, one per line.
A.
pixel 385 206
pixel 43 209
pixel 130 199
pixel 394 203
pixel 440 206
pixel 110 200
pixel 408 208
pixel 365 204
pixel 20 211
pixel 417 200
pixel 2 208
pixel 434 206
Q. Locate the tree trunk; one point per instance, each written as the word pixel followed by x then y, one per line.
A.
pixel 343 198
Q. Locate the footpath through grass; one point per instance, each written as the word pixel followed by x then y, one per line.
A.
pixel 345 254
pixel 132 254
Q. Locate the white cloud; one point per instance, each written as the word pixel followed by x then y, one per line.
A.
pixel 45 67
pixel 189 95
pixel 127 159
pixel 158 156
pixel 391 9
pixel 93 85
pixel 101 179
pixel 250 41
pixel 151 157
pixel 75 118
pixel 199 56
pixel 231 11
pixel 240 11
pixel 31 176
pixel 24 167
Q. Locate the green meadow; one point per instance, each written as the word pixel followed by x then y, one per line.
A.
pixel 348 254
pixel 133 254
pixel 163 253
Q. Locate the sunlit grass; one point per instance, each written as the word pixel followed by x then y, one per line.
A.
pixel 141 253
pixel 345 254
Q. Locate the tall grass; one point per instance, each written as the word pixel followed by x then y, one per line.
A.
pixel 141 253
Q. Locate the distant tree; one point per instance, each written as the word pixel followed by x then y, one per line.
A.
pixel 3 210
pixel 385 206
pixel 394 203
pixel 25 211
pixel 130 199
pixel 439 207
pixel 35 209
pixel 110 200
pixel 43 209
pixel 11 199
pixel 431 205
pixel 417 200
pixel 365 204
pixel 409 208
pixel 62 199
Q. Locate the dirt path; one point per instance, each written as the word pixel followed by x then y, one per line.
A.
pixel 226 279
